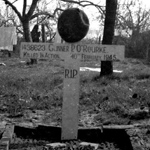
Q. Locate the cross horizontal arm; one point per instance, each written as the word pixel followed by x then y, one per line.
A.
pixel 49 50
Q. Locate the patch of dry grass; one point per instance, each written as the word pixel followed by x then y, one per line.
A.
pixel 40 87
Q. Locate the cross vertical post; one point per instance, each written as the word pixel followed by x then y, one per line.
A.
pixel 70 99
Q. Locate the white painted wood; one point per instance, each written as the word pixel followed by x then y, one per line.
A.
pixel 88 52
pixel 70 99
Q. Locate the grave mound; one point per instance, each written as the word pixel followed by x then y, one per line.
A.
pixel 110 137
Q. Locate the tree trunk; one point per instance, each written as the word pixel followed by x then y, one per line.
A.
pixel 148 53
pixel 28 38
pixel 26 30
pixel 43 33
pixel 111 7
pixel 35 34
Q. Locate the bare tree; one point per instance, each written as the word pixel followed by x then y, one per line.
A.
pixel 27 15
pixel 133 21
pixel 132 18
pixel 109 25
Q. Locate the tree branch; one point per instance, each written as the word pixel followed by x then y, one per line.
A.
pixel 14 1
pixel 46 14
pixel 19 31
pixel 41 13
pixel 14 8
pixel 24 7
pixel 86 3
pixel 32 8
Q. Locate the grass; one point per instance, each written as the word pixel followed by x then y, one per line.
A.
pixel 114 99
pixel 40 87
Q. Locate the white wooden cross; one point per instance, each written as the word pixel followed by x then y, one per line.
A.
pixel 72 54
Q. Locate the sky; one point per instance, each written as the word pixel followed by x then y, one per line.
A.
pixel 146 3
pixel 91 11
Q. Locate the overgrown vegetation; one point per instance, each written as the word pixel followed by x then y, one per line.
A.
pixel 109 100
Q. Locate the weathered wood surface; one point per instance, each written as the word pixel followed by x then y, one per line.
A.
pixel 8 133
pixel 88 52
pixel 70 105
pixel 88 128
pixel 6 136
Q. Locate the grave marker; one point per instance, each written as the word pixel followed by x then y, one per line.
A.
pixel 73 25
pixel 72 54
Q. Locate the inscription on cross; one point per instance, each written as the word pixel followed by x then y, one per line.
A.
pixel 72 73
pixel 86 52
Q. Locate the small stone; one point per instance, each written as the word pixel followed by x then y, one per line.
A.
pixel 2 64
pixel 91 144
pixel 54 145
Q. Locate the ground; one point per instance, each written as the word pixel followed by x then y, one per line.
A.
pixel 32 94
